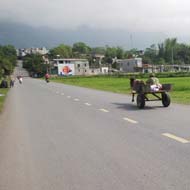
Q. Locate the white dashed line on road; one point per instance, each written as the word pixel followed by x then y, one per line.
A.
pixel 179 139
pixel 130 120
pixel 87 104
pixel 62 94
pixel 68 96
pixel 76 99
pixel 104 110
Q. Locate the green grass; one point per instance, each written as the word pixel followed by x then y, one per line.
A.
pixel 118 85
pixel 179 94
pixel 2 98
pixel 181 89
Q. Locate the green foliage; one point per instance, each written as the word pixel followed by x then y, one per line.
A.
pixel 81 48
pixel 34 64
pixel 113 52
pixel 63 51
pixel 119 53
pixel 169 52
pixel 7 60
pixel 161 61
pixel 98 50
pixel 165 53
pixel 170 47
pixel 109 55
pixel 151 54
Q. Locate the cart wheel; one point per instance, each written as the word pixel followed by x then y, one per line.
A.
pixel 140 101
pixel 165 99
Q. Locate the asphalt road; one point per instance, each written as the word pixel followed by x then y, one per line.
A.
pixel 61 137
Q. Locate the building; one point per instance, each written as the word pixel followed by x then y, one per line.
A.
pixel 41 51
pixel 147 68
pixel 68 67
pixel 29 51
pixel 129 65
pixel 94 71
pixel 104 70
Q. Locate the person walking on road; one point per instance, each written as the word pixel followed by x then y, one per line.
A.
pixel 47 76
pixel 20 79
pixel 12 81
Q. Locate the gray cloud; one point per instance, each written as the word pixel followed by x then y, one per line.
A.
pixel 168 16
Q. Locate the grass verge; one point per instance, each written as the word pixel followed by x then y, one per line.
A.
pixel 3 91
pixel 179 94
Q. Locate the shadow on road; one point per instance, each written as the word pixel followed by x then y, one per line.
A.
pixel 133 107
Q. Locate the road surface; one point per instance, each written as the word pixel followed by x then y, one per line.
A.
pixel 61 137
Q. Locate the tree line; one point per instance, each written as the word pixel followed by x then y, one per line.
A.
pixel 169 52
pixel 8 58
pixel 165 53
pixel 34 64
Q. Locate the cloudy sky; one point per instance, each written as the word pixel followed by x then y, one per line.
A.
pixel 168 16
pixel 108 22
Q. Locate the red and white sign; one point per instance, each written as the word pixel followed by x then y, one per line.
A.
pixel 66 69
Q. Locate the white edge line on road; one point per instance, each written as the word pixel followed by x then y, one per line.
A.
pixel 130 120
pixel 104 110
pixel 179 139
pixel 87 104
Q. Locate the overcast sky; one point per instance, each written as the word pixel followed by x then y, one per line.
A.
pixel 167 16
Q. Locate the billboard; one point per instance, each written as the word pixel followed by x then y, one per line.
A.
pixel 66 69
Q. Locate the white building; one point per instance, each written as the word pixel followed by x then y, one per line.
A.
pixel 129 65
pixel 41 51
pixel 104 70
pixel 28 51
pixel 69 66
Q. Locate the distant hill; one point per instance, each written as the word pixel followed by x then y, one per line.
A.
pixel 23 36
